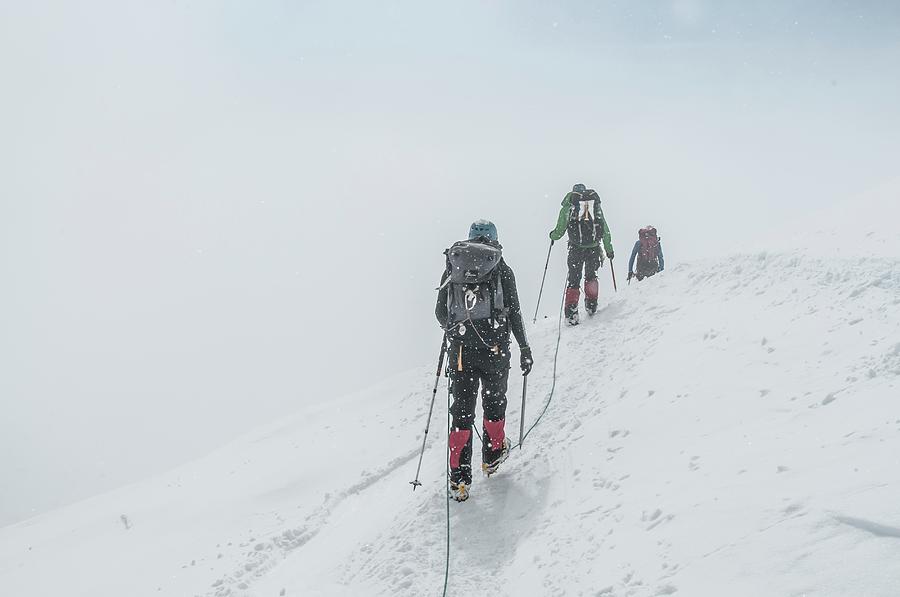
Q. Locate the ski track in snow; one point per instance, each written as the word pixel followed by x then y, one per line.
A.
pixel 721 428
pixel 270 552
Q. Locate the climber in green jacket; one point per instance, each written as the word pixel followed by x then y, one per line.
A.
pixel 582 217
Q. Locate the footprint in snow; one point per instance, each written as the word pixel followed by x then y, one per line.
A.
pixel 795 509
pixel 656 518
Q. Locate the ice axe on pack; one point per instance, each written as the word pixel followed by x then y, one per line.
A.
pixel 437 378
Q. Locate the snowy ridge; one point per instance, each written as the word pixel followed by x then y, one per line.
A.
pixel 864 227
pixel 726 428
pixel 724 459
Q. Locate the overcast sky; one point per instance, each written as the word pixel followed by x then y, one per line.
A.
pixel 213 213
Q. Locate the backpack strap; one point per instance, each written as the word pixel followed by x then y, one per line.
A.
pixel 490 284
pixel 599 219
pixel 574 216
pixel 496 282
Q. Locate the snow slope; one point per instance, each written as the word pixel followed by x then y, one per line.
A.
pixel 729 427
pixel 864 227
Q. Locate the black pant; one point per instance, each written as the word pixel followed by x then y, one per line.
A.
pixel 471 366
pixel 580 258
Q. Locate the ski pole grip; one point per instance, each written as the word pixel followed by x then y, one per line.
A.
pixel 440 364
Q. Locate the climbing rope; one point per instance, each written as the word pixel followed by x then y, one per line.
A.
pixel 538 420
pixel 447 562
pixel 553 383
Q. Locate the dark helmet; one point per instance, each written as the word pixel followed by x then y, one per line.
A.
pixel 579 188
pixel 483 228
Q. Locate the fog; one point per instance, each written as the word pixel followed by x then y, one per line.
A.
pixel 213 214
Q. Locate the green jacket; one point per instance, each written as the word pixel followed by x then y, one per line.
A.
pixel 562 224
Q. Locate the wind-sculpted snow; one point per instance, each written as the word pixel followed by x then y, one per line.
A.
pixel 728 427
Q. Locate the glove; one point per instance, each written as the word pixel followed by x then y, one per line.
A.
pixel 525 359
pixel 610 254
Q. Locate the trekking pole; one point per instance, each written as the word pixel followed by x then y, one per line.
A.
pixel 612 268
pixel 437 379
pixel 542 282
pixel 522 414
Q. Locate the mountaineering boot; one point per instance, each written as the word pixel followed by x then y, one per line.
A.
pixel 571 302
pixel 460 472
pixel 460 456
pixel 572 314
pixel 494 443
pixel 489 468
pixel 591 291
pixel 459 491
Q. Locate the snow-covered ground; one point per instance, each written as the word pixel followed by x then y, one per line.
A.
pixel 729 427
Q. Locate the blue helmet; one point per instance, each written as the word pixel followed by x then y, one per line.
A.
pixel 483 228
pixel 579 188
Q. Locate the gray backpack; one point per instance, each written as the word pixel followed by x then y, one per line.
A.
pixel 474 290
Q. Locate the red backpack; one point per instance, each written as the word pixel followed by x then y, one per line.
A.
pixel 649 252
